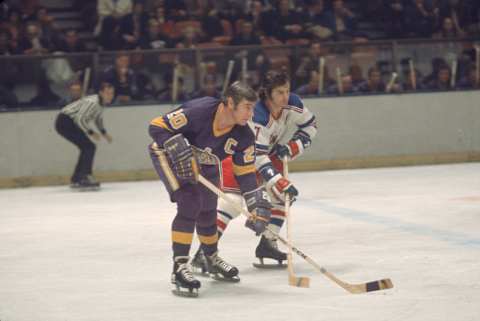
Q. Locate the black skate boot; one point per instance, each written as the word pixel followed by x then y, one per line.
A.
pixel 199 262
pixel 268 249
pixel 185 283
pixel 221 270
pixel 88 183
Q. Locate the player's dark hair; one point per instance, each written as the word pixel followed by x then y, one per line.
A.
pixel 239 91
pixel 272 80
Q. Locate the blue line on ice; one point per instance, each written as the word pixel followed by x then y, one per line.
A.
pixel 444 235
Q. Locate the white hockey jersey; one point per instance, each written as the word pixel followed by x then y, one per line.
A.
pixel 294 119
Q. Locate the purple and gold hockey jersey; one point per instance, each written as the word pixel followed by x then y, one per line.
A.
pixel 197 121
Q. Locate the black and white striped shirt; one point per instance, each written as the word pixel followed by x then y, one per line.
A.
pixel 84 110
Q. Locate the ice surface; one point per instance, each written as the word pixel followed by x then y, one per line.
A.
pixel 106 255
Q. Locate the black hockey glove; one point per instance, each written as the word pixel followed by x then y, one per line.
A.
pixel 182 158
pixel 258 204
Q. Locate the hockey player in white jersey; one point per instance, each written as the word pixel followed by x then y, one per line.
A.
pixel 283 127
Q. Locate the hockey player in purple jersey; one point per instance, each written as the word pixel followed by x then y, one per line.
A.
pixel 283 127
pixel 192 140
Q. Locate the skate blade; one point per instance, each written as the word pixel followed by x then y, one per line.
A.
pixel 221 278
pixel 191 293
pixel 278 266
pixel 85 189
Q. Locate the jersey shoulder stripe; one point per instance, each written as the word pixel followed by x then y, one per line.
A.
pixel 261 115
pixel 295 101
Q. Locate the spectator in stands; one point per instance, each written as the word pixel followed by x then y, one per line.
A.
pixel 442 80
pixel 394 18
pixel 437 63
pixel 133 26
pixel 8 99
pixel 71 42
pixel 153 38
pixel 190 38
pixel 167 26
pixel 176 9
pixel 374 83
pixel 421 19
pixel 5 47
pixel 33 42
pixel 166 94
pixel 256 12
pixel 123 79
pixel 246 36
pixel 470 81
pixel 413 81
pixel 345 88
pixel 210 22
pixel 289 25
pixel 13 25
pixel 309 62
pixel 356 73
pixel 74 93
pixel 341 21
pixel 109 14
pixel 311 88
pixel 314 20
pixel 209 88
pixel 45 96
pixel 28 9
pixel 458 12
pixel 448 30
pixel 47 27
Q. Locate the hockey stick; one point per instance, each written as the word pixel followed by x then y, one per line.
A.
pixel 477 64
pixel 226 81
pixel 175 82
pixel 391 82
pixel 293 280
pixel 352 288
pixel 321 74
pixel 453 75
pixel 86 81
pixel 413 75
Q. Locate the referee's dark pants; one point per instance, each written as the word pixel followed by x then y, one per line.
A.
pixel 67 128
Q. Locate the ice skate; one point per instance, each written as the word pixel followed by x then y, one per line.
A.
pixel 199 262
pixel 268 249
pixel 221 270
pixel 88 183
pixel 185 283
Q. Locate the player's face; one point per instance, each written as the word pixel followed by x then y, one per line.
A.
pixel 243 112
pixel 279 96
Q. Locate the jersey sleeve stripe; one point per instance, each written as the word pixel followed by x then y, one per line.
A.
pixel 260 147
pixel 160 122
pixel 307 123
pixel 240 170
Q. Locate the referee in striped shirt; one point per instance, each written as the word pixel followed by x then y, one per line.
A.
pixel 73 124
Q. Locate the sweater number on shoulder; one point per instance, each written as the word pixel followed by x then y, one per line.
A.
pixel 177 119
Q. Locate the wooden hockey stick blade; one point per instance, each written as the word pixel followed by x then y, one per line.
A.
pixel 294 280
pixel 299 282
pixel 383 284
